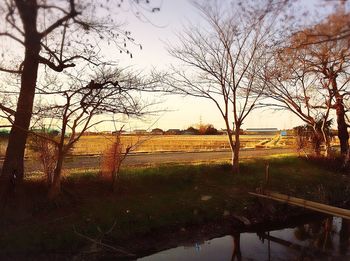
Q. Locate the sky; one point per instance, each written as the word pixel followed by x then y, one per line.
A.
pixel 153 31
pixel 182 112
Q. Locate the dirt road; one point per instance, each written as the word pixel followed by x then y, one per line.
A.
pixel 147 159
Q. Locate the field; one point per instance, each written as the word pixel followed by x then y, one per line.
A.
pixel 98 143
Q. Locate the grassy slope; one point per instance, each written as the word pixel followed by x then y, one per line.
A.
pixel 152 199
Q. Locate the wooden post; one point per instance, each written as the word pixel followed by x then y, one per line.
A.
pixel 267 175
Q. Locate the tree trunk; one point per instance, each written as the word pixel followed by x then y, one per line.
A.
pixel 55 188
pixel 235 160
pixel 232 145
pixel 13 167
pixel 317 144
pixel 115 174
pixel 343 134
pixel 326 140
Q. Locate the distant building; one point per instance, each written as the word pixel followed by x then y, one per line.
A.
pixel 157 131
pixel 224 132
pixel 140 132
pixel 173 132
pixel 121 132
pixel 191 131
pixel 261 131
pixel 104 133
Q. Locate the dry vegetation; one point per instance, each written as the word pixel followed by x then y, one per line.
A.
pixel 97 144
pixel 3 145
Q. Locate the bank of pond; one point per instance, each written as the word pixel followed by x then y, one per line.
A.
pixel 204 207
pixel 319 238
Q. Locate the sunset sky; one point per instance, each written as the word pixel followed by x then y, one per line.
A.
pixel 161 28
pixel 153 32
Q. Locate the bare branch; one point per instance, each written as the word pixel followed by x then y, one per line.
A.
pixel 58 68
pixel 73 13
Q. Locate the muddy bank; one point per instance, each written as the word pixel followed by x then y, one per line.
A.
pixel 276 216
pixel 156 209
pixel 257 218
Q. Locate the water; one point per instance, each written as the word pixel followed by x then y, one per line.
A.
pixel 320 240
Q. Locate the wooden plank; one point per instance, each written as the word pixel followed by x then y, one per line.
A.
pixel 323 208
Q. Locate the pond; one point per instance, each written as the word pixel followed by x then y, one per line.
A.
pixel 324 239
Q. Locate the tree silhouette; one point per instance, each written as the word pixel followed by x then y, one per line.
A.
pixel 79 102
pixel 53 35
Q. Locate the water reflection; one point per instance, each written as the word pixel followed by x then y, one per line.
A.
pixel 236 253
pixel 344 236
pixel 320 240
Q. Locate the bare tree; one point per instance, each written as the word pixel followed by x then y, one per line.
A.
pixel 290 85
pixel 55 35
pixel 309 136
pixel 45 150
pixel 79 103
pixel 342 33
pixel 329 61
pixel 221 63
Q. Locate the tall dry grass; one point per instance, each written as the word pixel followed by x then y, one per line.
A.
pixel 46 152
pixel 112 159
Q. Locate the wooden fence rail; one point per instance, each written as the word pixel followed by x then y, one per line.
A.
pixel 323 208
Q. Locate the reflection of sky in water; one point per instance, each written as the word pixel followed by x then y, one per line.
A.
pixel 252 248
pixel 215 249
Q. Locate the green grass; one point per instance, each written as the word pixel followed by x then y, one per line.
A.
pixel 153 199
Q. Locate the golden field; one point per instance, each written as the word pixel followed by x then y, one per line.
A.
pixel 96 144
